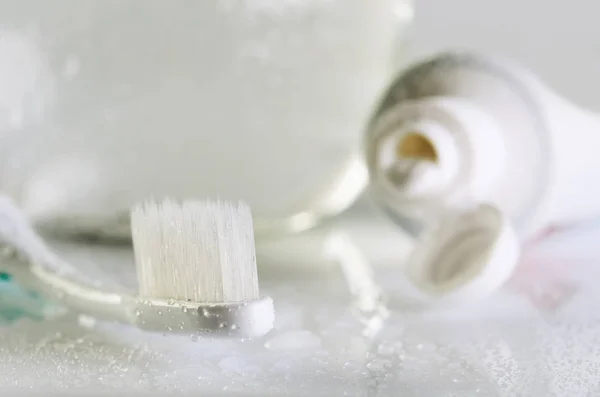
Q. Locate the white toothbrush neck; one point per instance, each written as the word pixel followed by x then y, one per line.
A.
pixel 25 256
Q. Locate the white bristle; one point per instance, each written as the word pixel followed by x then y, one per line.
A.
pixel 199 251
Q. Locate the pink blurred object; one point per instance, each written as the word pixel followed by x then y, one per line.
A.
pixel 550 264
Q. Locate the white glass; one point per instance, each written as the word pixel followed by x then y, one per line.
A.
pixel 105 103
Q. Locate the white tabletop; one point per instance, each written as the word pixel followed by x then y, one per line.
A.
pixel 537 336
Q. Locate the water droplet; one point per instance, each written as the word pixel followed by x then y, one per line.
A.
pixel 386 349
pixel 171 301
pixel 138 312
pixel 234 327
pixel 160 312
pixel 222 324
pixel 421 347
pixel 352 366
pixel 169 328
pixel 184 309
pixel 206 312
pixel 378 364
pixel 194 338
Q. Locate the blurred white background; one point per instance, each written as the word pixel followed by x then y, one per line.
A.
pixel 556 39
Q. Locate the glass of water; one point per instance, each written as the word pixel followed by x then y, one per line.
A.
pixel 104 104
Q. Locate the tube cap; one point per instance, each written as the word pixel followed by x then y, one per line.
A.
pixel 465 256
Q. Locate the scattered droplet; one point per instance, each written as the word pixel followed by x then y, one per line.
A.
pixel 352 366
pixel 386 349
pixel 378 364
pixel 421 347
pixel 194 338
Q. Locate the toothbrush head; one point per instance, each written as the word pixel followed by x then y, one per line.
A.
pixel 196 266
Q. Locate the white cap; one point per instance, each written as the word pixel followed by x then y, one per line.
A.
pixel 429 157
pixel 465 256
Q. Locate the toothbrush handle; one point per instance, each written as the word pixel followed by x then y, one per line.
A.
pixel 26 257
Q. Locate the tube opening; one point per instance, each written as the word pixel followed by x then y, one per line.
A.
pixel 417 147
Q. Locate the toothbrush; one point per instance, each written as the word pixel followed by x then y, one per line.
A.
pixel 167 237
pixel 17 302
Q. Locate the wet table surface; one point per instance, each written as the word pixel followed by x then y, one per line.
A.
pixel 538 336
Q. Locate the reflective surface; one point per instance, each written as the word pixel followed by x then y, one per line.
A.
pixel 104 104
pixel 538 337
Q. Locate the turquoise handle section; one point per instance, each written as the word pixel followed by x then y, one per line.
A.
pixel 17 302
